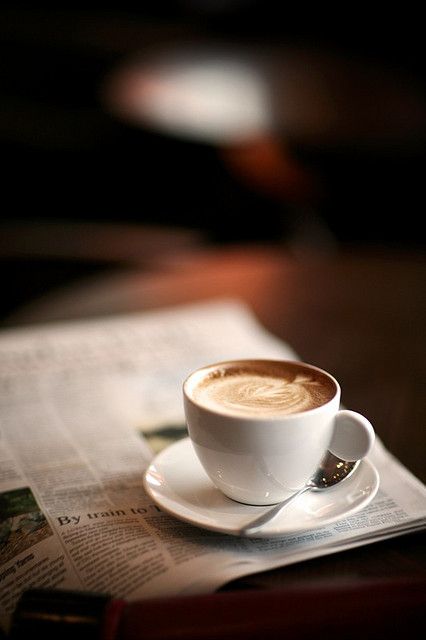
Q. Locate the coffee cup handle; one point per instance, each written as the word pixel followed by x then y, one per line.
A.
pixel 353 436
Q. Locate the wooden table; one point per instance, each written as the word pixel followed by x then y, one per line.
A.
pixel 361 315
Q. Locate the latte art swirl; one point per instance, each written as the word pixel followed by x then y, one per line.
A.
pixel 264 394
pixel 254 393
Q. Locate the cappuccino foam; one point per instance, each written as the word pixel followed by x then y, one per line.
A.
pixel 260 388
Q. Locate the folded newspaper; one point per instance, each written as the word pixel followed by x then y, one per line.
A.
pixel 85 406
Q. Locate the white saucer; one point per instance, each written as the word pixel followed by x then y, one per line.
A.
pixel 178 484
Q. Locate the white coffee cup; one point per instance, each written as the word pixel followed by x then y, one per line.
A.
pixel 260 428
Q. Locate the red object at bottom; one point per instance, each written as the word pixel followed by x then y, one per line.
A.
pixel 374 610
pixel 371 609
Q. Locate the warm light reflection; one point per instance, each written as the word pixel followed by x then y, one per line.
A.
pixel 264 163
pixel 224 93
pixel 213 96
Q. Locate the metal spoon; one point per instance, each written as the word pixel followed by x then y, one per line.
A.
pixel 331 471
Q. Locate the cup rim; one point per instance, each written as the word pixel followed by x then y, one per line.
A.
pixel 266 419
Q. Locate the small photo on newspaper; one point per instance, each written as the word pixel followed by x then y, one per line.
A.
pixel 22 523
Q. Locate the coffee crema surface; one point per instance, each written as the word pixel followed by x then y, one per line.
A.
pixel 258 388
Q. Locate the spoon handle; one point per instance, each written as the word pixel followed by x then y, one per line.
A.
pixel 268 515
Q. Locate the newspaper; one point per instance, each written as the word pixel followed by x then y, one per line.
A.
pixel 83 408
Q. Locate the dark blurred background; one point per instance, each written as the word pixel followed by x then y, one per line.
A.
pixel 69 156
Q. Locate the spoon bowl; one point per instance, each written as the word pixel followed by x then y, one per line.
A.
pixel 331 471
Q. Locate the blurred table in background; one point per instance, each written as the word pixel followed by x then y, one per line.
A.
pixel 332 112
